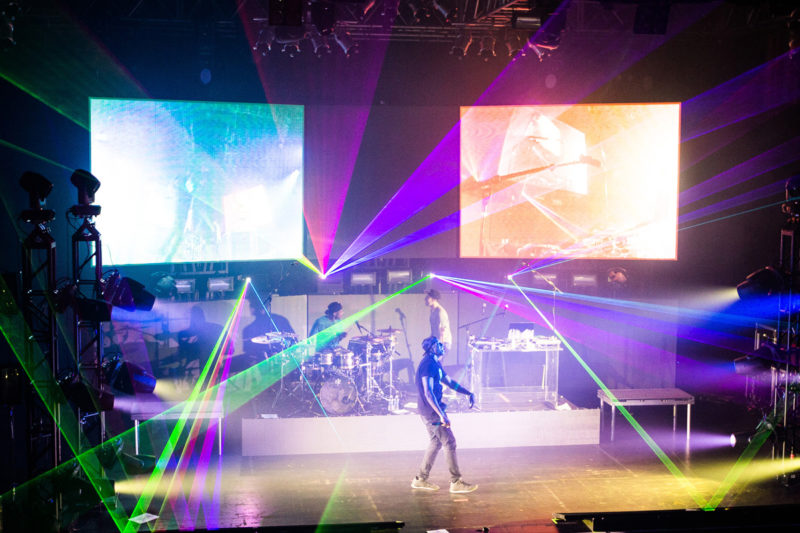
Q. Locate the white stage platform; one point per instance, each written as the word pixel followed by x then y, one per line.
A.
pixel 403 432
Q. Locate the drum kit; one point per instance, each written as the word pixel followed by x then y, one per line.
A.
pixel 336 381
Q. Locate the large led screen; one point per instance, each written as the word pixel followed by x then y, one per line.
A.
pixel 197 181
pixel 578 181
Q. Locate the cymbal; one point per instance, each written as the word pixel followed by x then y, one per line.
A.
pixel 390 331
pixel 267 338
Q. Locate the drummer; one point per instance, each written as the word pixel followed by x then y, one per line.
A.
pixel 264 322
pixel 333 314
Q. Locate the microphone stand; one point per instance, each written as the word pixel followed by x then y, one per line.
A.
pixel 405 335
pixel 555 290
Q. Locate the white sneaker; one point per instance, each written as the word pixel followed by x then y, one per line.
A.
pixel 423 484
pixel 460 486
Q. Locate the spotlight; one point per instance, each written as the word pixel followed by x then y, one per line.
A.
pixel 320 44
pixel 750 365
pixel 487 47
pixel 461 46
pixel 184 286
pixel 791 206
pixel 125 293
pixel 84 395
pixel 765 281
pixel 127 377
pixel 37 187
pixel 398 277
pixel 264 41
pixel 87 185
pixel 220 284
pixel 418 10
pixel 164 286
pixel 447 9
pixel 363 279
pixel 345 42
pixel 514 45
pixel 526 21
pixel 293 48
pixel 793 25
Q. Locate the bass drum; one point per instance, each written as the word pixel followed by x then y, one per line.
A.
pixel 338 395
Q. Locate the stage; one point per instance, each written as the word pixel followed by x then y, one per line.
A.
pixel 404 432
pixel 521 488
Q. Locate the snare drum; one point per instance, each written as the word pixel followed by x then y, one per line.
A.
pixel 324 358
pixel 344 359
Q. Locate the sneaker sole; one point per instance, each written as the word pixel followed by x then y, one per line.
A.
pixel 464 491
pixel 424 488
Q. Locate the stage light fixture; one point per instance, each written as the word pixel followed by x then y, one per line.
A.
pixel 398 277
pixel 84 395
pixel 418 10
pixel 487 50
pixel 514 45
pixel 525 21
pixel 749 365
pixel 447 9
pixel 127 377
pixel 87 186
pixel 791 206
pixel 584 280
pixel 793 25
pixel 263 43
pixel 164 286
pixel 461 46
pixel 292 48
pixel 184 286
pixel 220 284
pixel 362 279
pixel 766 281
pixel 125 293
pixel 38 188
pixel 319 43
pixel 345 42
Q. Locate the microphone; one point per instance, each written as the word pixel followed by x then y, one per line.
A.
pixel 399 312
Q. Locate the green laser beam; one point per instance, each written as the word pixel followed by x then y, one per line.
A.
pixel 329 504
pixel 232 402
pixel 696 496
pixel 189 405
pixel 35 364
pixel 34 155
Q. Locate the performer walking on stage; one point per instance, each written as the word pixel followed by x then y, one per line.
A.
pixel 333 314
pixel 440 322
pixel 429 379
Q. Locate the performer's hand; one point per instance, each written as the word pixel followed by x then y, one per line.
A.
pixel 445 422
pixel 471 400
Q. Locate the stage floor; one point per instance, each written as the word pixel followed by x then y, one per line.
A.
pixel 519 488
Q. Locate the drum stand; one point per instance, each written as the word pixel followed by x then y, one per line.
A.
pixel 373 388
